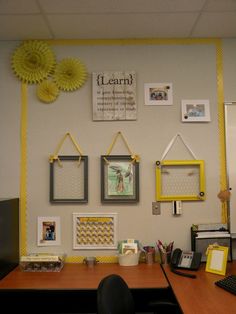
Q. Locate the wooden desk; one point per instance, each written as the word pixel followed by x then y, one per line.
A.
pixel 201 295
pixel 80 276
pixel 73 289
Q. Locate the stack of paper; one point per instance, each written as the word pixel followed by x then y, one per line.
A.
pixel 213 234
pixel 41 257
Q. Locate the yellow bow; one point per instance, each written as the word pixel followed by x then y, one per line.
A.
pixel 53 158
pixel 136 158
pixel 211 247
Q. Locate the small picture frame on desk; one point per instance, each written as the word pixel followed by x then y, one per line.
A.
pixel 217 260
pixel 49 233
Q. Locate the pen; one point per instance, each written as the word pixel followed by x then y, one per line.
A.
pixel 160 246
pixel 170 246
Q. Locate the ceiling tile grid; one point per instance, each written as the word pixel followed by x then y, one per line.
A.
pixel 75 19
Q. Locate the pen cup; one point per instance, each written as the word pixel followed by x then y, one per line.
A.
pixel 150 257
pixel 165 257
pixel 90 261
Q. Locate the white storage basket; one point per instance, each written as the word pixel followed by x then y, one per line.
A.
pixel 129 259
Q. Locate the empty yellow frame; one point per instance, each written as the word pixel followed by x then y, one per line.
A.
pixel 182 180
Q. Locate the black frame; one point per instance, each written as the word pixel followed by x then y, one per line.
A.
pixel 84 162
pixel 105 198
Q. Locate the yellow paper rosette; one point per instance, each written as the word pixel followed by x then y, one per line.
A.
pixel 47 91
pixel 33 61
pixel 70 74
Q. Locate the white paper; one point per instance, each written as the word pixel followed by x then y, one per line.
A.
pixel 217 260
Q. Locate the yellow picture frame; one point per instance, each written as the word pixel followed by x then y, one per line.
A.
pixel 169 179
pixel 217 260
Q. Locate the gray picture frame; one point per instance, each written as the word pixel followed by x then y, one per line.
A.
pixel 119 179
pixel 63 192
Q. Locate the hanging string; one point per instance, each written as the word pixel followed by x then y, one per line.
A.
pixel 134 157
pixel 55 157
pixel 172 143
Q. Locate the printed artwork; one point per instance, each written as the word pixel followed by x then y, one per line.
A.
pixel 114 95
pixel 158 94
pixel 196 110
pixel 120 178
pixel 94 231
pixel 49 231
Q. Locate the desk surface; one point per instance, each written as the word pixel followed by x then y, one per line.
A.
pixel 201 295
pixel 195 296
pixel 80 276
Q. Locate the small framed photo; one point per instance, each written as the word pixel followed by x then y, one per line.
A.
pixel 196 110
pixel 217 260
pixel 49 231
pixel 94 231
pixel 119 179
pixel 69 179
pixel 158 94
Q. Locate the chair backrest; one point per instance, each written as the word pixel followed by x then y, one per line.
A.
pixel 114 296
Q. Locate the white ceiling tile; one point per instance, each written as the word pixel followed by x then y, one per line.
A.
pixel 173 5
pixel 20 19
pixel 216 25
pixel 220 5
pixel 23 27
pixel 131 25
pixel 75 6
pixel 18 7
pixel 118 6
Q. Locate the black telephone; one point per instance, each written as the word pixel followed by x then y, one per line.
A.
pixel 186 260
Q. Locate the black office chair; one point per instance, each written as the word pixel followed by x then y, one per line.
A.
pixel 114 296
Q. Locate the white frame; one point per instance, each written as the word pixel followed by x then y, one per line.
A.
pixel 188 104
pixel 77 217
pixel 41 240
pixel 150 88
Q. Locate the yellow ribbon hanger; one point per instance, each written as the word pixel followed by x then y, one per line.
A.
pixel 55 155
pixel 134 157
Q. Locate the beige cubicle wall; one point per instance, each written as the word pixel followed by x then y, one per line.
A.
pixel 191 66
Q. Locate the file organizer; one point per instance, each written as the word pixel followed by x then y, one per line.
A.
pixel 205 234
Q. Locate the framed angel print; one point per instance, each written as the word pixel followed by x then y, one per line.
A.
pixel 69 179
pixel 119 179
